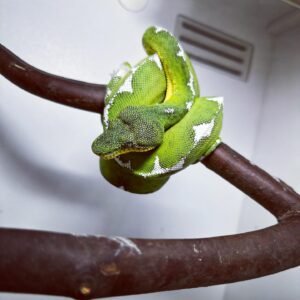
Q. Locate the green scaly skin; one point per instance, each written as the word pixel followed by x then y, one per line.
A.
pixel 155 122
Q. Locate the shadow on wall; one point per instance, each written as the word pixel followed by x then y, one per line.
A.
pixel 44 179
pixel 104 206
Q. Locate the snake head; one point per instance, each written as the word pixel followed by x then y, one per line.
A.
pixel 132 131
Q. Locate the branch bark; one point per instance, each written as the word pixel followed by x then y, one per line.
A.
pixel 272 193
pixel 92 267
pixel 78 94
pixel 88 267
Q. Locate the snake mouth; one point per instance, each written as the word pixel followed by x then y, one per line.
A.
pixel 119 152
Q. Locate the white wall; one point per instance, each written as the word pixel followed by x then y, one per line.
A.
pixel 49 178
pixel 277 151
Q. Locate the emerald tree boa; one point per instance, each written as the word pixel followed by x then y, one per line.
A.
pixel 155 123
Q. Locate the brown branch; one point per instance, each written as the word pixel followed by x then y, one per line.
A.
pixel 87 267
pixel 273 194
pixel 78 94
pixel 92 267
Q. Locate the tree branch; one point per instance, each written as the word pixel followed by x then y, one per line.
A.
pixel 92 267
pixel 272 193
pixel 87 267
pixel 78 94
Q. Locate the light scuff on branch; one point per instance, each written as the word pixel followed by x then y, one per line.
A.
pixel 88 267
pixel 92 267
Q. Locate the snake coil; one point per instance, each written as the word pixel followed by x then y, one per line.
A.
pixel 155 123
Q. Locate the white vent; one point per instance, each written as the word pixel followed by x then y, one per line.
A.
pixel 214 48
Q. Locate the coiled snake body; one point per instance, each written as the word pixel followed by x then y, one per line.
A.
pixel 155 123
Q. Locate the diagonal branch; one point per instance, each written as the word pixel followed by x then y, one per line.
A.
pixel 272 193
pixel 78 94
pixel 87 267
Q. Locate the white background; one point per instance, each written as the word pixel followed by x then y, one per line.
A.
pixel 49 178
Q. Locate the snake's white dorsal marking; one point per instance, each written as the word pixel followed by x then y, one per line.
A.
pixel 169 110
pixel 105 116
pixel 217 142
pixel 191 84
pixel 178 166
pixel 122 71
pixel 127 85
pixel 156 59
pixel 106 111
pixel 108 92
pixel 159 29
pixel 202 131
pixel 189 104
pixel 134 69
pixel 180 52
pixel 219 100
pixel 123 164
pixel 159 170
pixel 137 67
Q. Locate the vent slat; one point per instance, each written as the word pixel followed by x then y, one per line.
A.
pixel 213 57
pixel 211 49
pixel 215 64
pixel 209 43
pixel 214 36
pixel 214 48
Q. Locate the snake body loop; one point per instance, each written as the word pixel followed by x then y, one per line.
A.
pixel 155 122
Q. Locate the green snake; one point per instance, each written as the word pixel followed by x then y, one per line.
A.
pixel 154 122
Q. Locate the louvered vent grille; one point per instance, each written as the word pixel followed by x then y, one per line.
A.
pixel 214 48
